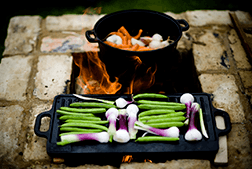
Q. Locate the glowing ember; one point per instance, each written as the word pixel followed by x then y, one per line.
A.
pixel 147 160
pixel 127 159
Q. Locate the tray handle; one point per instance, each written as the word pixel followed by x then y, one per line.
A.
pixel 226 117
pixel 38 124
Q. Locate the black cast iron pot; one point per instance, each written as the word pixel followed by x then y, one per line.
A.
pixel 150 22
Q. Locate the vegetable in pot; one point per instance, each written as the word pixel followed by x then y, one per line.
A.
pixel 102 137
pixel 193 133
pixel 122 135
pixel 114 39
pixel 132 111
pixel 187 99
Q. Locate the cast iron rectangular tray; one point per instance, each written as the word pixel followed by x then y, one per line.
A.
pixel 206 148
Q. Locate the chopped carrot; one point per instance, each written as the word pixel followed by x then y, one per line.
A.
pixel 129 42
pixel 124 40
pixel 142 48
pixel 126 49
pixel 122 46
pixel 135 47
pixel 110 43
pixel 116 33
pixel 139 34
pixel 125 32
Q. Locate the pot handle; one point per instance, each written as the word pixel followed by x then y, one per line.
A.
pixel 89 38
pixel 183 22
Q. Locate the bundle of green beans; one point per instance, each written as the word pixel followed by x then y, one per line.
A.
pixel 160 114
pixel 81 118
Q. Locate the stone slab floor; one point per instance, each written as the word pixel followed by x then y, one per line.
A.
pixel 37 66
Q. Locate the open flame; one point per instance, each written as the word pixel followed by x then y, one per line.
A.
pixel 93 77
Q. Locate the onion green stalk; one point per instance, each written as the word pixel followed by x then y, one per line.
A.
pixel 112 115
pixel 202 125
pixel 95 99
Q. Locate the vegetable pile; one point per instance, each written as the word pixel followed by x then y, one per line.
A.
pixel 123 40
pixel 120 120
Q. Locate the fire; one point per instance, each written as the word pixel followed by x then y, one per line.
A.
pixel 143 78
pixel 147 160
pixel 127 159
pixel 93 77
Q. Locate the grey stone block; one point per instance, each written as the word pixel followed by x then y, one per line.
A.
pixel 22 35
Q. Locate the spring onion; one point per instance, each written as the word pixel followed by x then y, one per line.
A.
pixel 132 111
pixel 111 115
pixel 193 133
pixel 102 137
pixel 170 132
pixel 187 99
pixel 122 135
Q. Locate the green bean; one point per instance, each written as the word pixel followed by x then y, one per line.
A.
pixel 149 95
pixel 91 104
pixel 86 121
pixel 156 138
pixel 79 117
pixel 159 103
pixel 166 124
pixel 76 129
pixel 91 110
pixel 153 106
pixel 88 125
pixel 170 119
pixel 76 132
pixel 62 112
pixel 155 111
pixel 173 114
